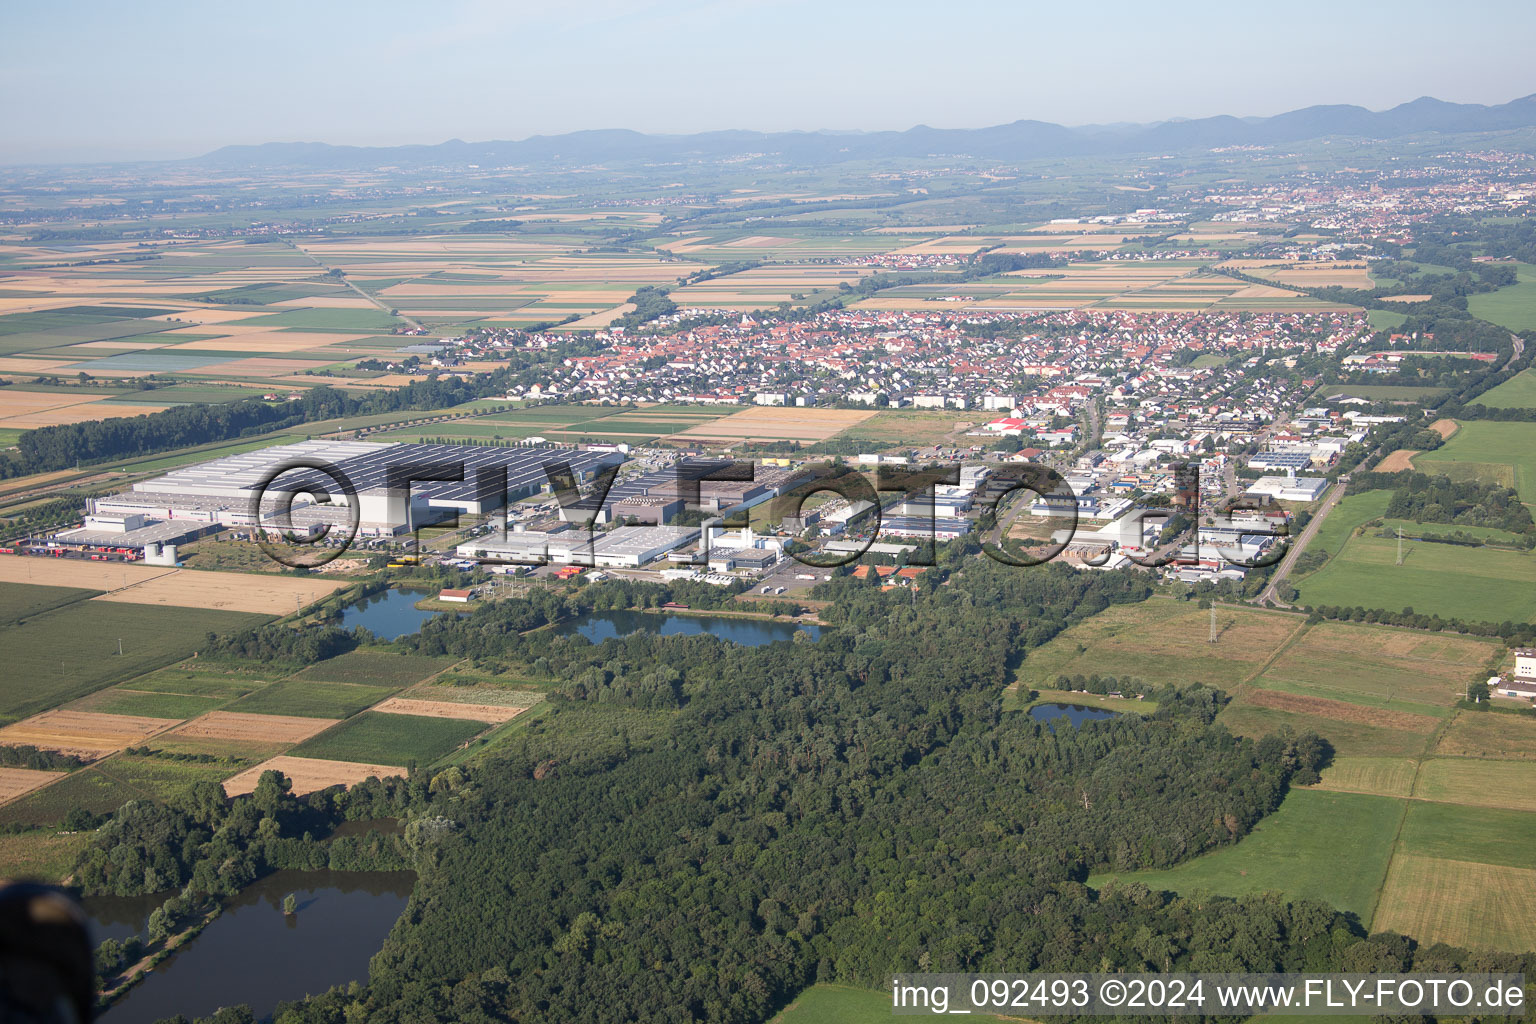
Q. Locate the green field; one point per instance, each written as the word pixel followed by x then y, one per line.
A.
pixel 1353 512
pixel 1434 579
pixel 162 778
pixel 1513 306
pixel 837 1004
pixel 72 651
pixel 118 701
pixel 87 788
pixel 378 668
pixel 1385 319
pixel 1328 846
pixel 1484 443
pixel 1519 392
pixel 20 600
pixel 308 699
pixel 378 738
pixel 1485 834
pixel 194 684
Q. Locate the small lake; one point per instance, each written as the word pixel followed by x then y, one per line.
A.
pixel 598 626
pixel 1075 714
pixel 254 953
pixel 118 917
pixel 388 615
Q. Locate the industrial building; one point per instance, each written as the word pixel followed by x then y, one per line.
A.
pixel 393 483
pixel 628 547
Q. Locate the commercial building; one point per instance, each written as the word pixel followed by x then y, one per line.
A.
pixel 397 486
pixel 1289 488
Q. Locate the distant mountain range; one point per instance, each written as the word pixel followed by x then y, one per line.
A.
pixel 1021 140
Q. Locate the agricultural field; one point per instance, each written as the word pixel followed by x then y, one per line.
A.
pixel 775 424
pixel 15 782
pixel 1519 392
pixel 84 734
pixel 71 651
pixel 122 701
pixel 305 698
pixel 376 668
pixel 396 739
pixel 1513 306
pixel 1482 834
pixel 838 1004
pixel 1351 737
pixel 18 601
pixel 266 595
pixel 1435 579
pixel 491 714
pixel 250 727
pixel 307 774
pixel 1465 903
pixel 1380 666
pixel 43 856
pixel 1490 735
pixel 88 789
pixel 1503 453
pixel 1162 641
pixel 1329 846
pixel 1380 776
pixel 1478 782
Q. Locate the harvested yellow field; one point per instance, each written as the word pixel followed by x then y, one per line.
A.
pixel 602 319
pixel 226 591
pixel 268 341
pixel 770 422
pixel 15 782
pixel 1445 428
pixel 259 367
pixel 246 727
pixel 85 734
pixel 1406 298
pixel 1397 461
pixel 83 412
pixel 71 572
pixel 1478 906
pixel 449 709
pixel 309 774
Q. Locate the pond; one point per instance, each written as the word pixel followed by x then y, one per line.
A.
pixel 1075 714
pixel 254 953
pixel 118 917
pixel 598 626
pixel 388 615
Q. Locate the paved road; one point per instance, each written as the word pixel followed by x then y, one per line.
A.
pixel 1289 561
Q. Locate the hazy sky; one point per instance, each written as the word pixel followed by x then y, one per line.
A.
pixel 149 79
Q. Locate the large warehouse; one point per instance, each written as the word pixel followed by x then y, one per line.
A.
pixel 224 490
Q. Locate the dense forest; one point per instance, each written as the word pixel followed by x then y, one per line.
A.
pixel 698 830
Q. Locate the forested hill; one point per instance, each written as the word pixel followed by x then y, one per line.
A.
pixel 1020 140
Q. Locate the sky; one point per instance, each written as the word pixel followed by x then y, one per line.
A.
pixel 153 79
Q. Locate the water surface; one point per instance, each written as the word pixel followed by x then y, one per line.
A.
pixel 1075 714
pixel 388 615
pixel 254 953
